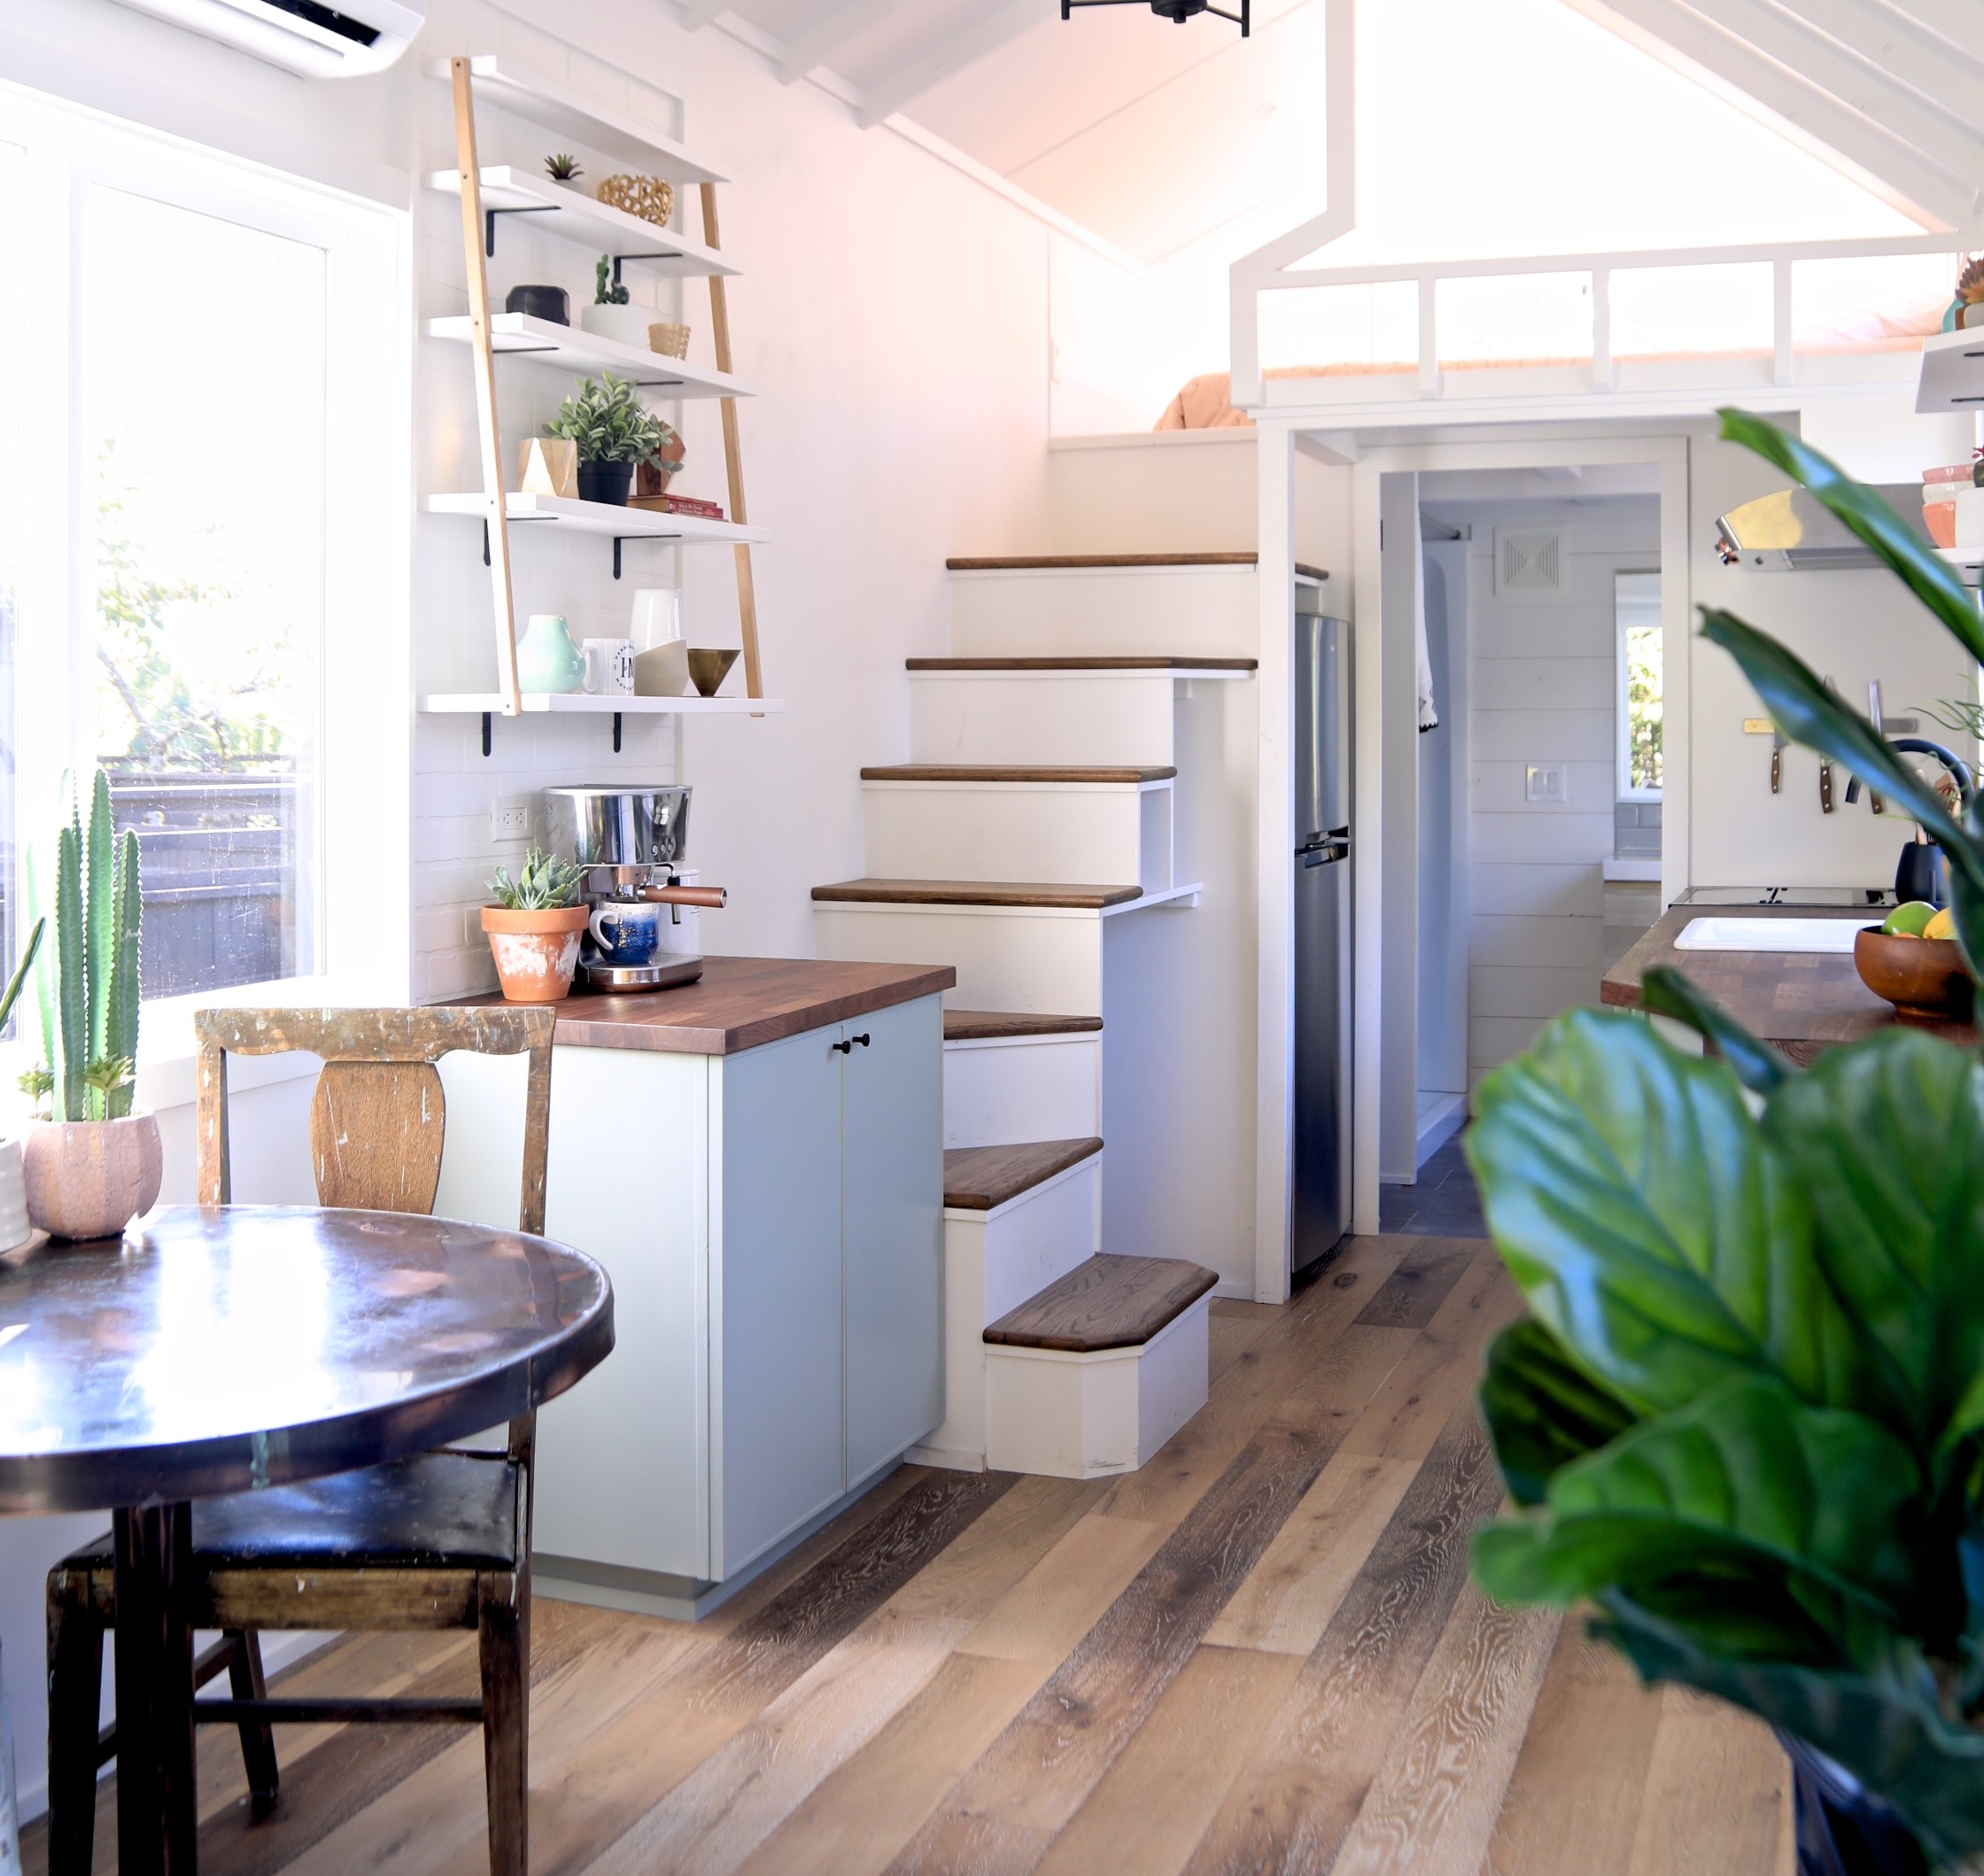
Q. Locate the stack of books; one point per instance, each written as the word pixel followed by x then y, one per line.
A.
pixel 677 505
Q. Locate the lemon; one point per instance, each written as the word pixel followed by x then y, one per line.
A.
pixel 1908 920
pixel 1943 926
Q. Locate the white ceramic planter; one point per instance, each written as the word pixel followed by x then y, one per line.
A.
pixel 624 325
pixel 92 1178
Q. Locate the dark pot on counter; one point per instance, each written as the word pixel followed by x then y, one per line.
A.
pixel 1843 1829
pixel 608 482
pixel 1920 875
pixel 541 302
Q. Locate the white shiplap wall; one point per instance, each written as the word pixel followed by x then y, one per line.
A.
pixel 1541 679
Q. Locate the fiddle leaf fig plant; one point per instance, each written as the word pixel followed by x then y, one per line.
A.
pixel 1744 1419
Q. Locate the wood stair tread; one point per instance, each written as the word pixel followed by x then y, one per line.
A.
pixel 1109 1302
pixel 914 771
pixel 983 1178
pixel 978 1026
pixel 975 892
pixel 1081 664
pixel 1059 563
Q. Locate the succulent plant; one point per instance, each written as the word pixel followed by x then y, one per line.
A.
pixel 89 988
pixel 564 167
pixel 607 291
pixel 607 420
pixel 543 883
pixel 1970 283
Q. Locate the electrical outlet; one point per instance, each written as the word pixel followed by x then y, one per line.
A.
pixel 510 820
pixel 1545 782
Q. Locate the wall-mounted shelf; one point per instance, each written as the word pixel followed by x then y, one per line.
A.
pixel 599 517
pixel 1952 371
pixel 489 705
pixel 575 216
pixel 503 83
pixel 1967 563
pixel 545 342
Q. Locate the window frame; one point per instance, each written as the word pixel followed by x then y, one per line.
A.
pixel 1623 784
pixel 365 703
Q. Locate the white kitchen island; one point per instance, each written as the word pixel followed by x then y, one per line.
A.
pixel 758 1161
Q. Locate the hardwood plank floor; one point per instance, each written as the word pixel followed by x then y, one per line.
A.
pixel 1260 1653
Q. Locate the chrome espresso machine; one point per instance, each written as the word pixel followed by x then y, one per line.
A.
pixel 642 932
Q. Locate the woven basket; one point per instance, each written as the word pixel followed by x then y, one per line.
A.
pixel 669 338
pixel 647 197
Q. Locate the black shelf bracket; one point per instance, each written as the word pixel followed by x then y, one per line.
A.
pixel 667 253
pixel 489 217
pixel 486 730
pixel 617 733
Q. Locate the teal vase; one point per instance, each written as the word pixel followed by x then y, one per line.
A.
pixel 546 659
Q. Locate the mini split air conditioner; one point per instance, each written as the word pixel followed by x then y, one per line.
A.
pixel 352 41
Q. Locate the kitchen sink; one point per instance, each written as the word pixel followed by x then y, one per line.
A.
pixel 1771 934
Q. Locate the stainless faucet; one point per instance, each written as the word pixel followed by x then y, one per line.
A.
pixel 1959 770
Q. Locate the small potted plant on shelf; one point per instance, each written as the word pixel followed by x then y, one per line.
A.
pixel 613 431
pixel 533 928
pixel 612 314
pixel 91 1163
pixel 1744 1420
pixel 562 167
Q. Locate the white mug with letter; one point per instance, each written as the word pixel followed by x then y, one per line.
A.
pixel 609 667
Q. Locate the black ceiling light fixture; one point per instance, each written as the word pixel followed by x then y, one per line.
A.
pixel 1175 10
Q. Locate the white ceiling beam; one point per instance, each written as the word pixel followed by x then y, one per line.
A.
pixel 696 14
pixel 1904 44
pixel 806 51
pixel 1680 38
pixel 932 64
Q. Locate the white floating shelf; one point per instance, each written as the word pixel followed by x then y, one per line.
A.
pixel 601 517
pixel 578 704
pixel 1967 563
pixel 1952 371
pixel 543 341
pixel 503 83
pixel 574 215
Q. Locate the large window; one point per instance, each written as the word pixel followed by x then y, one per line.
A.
pixel 202 362
pixel 1636 598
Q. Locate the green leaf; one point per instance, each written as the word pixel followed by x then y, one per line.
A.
pixel 97 938
pixel 1884 1724
pixel 11 996
pixel 1748 1479
pixel 1967 895
pixel 1664 991
pixel 1648 1225
pixel 1541 1410
pixel 1870 518
pixel 1888 1136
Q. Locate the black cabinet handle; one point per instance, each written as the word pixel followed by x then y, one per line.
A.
pixel 863 1039
pixel 841 1048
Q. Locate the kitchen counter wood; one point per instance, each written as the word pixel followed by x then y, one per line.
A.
pixel 740 1002
pixel 976 892
pixel 1804 1002
pixel 1014 772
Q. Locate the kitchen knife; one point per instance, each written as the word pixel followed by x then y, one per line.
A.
pixel 1777 761
pixel 1874 717
pixel 1825 767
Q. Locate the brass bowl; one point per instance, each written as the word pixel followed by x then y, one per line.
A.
pixel 1919 976
pixel 708 669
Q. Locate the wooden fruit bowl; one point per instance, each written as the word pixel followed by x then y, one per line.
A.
pixel 1919 976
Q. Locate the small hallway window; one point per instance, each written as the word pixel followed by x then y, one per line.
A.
pixel 1637 604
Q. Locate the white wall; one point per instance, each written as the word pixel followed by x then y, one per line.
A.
pixel 1542 677
pixel 1444 889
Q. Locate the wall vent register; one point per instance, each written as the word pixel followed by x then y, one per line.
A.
pixel 1528 560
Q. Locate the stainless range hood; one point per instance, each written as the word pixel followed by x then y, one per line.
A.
pixel 1793 531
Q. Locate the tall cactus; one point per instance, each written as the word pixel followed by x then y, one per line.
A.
pixel 90 1011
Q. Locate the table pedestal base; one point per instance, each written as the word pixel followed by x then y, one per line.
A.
pixel 157 1810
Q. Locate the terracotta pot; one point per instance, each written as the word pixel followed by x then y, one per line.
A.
pixel 92 1178
pixel 536 953
pixel 1922 976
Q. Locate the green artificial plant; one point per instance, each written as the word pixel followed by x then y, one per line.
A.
pixel 562 167
pixel 543 883
pixel 89 988
pixel 607 291
pixel 1744 1417
pixel 610 423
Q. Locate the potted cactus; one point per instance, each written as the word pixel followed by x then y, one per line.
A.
pixel 613 313
pixel 533 928
pixel 91 1164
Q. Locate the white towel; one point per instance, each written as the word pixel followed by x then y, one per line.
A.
pixel 1429 716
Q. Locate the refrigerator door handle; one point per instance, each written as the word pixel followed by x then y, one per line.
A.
pixel 1327 852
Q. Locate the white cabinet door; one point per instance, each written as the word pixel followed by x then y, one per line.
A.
pixel 892 1231
pixel 775 1302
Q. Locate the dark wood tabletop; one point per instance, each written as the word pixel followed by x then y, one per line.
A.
pixel 1802 1001
pixel 740 1002
pixel 223 1348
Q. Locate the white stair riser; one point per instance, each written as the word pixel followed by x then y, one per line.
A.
pixel 1089 1416
pixel 1050 833
pixel 1041 716
pixel 993 1262
pixel 1105 612
pixel 1042 961
pixel 1009 1088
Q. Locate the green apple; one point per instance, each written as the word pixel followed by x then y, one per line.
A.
pixel 1908 920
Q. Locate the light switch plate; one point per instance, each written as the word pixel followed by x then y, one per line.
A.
pixel 1545 782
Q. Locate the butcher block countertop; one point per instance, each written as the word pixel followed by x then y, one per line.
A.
pixel 1802 1001
pixel 741 1003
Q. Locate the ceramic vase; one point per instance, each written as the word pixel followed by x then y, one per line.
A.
pixel 536 952
pixel 624 325
pixel 92 1178
pixel 548 466
pixel 546 659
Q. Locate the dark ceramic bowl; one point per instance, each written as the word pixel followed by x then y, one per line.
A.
pixel 1919 976
pixel 551 303
pixel 708 669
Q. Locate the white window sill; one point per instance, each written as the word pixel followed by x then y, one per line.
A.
pixel 1643 871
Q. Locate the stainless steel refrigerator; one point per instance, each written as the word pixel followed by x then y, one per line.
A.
pixel 1321 862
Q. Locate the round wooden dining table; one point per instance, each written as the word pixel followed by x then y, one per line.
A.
pixel 228 1348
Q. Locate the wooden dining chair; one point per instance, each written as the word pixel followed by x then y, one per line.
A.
pixel 440 1541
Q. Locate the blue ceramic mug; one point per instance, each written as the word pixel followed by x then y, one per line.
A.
pixel 626 932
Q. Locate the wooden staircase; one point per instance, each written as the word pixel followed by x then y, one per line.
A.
pixel 1035 816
